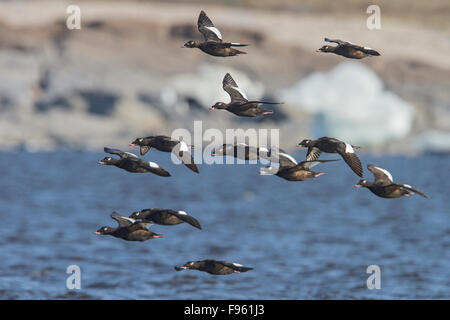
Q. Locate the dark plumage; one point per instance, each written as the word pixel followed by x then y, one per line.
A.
pixel 290 170
pixel 333 145
pixel 213 44
pixel 129 229
pixel 166 144
pixel 241 151
pixel 239 104
pixel 165 217
pixel 214 267
pixel 384 187
pixel 131 163
pixel 348 50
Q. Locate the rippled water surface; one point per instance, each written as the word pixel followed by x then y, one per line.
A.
pixel 305 240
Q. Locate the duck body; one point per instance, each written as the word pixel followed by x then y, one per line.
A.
pixel 219 49
pixel 165 217
pixel 390 191
pixel 214 267
pixel 297 173
pixel 250 110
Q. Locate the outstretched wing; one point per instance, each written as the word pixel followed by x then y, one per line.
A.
pixel 309 164
pixel 122 221
pixel 186 218
pixel 122 154
pixel 235 266
pixel 355 46
pixel 339 42
pixel 382 176
pixel 313 154
pixel 181 150
pixel 207 28
pixel 280 156
pixel 230 87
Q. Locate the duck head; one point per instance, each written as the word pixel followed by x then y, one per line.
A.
pixel 326 48
pixel 219 105
pixel 363 183
pixel 108 161
pixel 305 143
pixel 104 230
pixel 191 44
pixel 187 265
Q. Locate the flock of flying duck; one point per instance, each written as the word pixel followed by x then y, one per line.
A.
pixel 136 226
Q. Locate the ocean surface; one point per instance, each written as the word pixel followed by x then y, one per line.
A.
pixel 305 240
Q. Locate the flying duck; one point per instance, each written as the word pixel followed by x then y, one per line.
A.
pixel 129 229
pixel 384 186
pixel 132 163
pixel 165 217
pixel 166 144
pixel 213 44
pixel 348 50
pixel 333 145
pixel 290 170
pixel 239 104
pixel 214 267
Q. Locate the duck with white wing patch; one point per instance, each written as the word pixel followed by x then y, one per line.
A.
pixel 384 185
pixel 333 145
pixel 239 104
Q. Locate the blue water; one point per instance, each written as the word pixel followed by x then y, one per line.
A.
pixel 305 240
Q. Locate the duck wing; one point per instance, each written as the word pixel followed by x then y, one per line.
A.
pixel 309 164
pixel 121 154
pixel 207 28
pixel 230 87
pixel 313 154
pixel 382 176
pixel 187 218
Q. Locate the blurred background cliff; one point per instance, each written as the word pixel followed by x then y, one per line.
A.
pixel 124 73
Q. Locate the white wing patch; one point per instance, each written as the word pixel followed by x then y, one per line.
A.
pixel 385 172
pixel 242 93
pixel 237 264
pixel 183 146
pixel 182 212
pixel 216 32
pixel 153 164
pixel 131 154
pixel 128 219
pixel 289 157
pixel 407 185
pixel 348 148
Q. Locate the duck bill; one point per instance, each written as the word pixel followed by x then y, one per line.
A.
pixel 180 268
pixel 212 108
pixel 319 174
pixel 100 162
pixel 300 145
pixel 96 232
pixel 132 145
pixel 357 186
pixel 158 236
